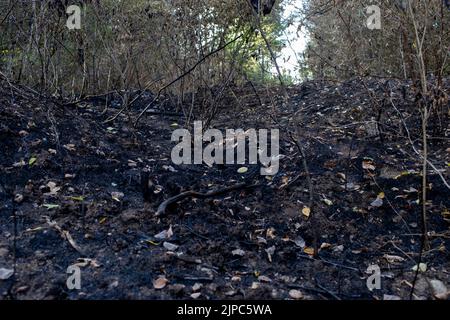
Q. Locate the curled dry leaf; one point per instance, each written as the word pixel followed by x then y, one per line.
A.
pixel 368 165
pixel 160 283
pixel 50 206
pixel 325 245
pixel 393 259
pixel 165 234
pixel 306 211
pixel 53 189
pixel 270 233
pixel 117 196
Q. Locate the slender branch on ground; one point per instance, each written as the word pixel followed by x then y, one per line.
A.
pixel 194 194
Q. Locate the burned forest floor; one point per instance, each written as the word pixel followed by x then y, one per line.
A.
pixel 71 193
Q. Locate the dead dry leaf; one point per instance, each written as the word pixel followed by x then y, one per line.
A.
pixel 306 211
pixel 160 283
pixel 296 294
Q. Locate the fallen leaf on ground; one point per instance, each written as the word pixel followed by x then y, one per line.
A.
pixel 295 294
pixel 376 203
pixel 270 251
pixel 160 283
pixel 264 279
pixel 70 147
pixel 32 161
pixel 165 234
pixel 79 198
pixel 300 242
pixel 422 267
pixel 368 165
pixel 5 274
pixel 393 259
pixel 306 211
pixel 117 196
pixel 196 295
pixel 53 189
pixel 50 206
pixel 238 252
pixel 170 246
pixel 197 286
pixel 439 289
pixel 270 233
pixel 242 170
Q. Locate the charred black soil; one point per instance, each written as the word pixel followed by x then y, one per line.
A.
pixel 71 192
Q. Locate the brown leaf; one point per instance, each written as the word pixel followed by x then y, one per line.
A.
pixel 160 283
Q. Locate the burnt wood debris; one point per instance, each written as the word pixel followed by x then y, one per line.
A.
pixel 224 150
pixel 263 6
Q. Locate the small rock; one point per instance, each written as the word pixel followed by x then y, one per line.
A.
pixel 170 246
pixel 378 202
pixel 197 287
pixel 255 285
pixel 6 273
pixel 238 252
pixel 296 294
pixel 196 295
pixel 439 289
pixel 391 297
pixel 300 242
